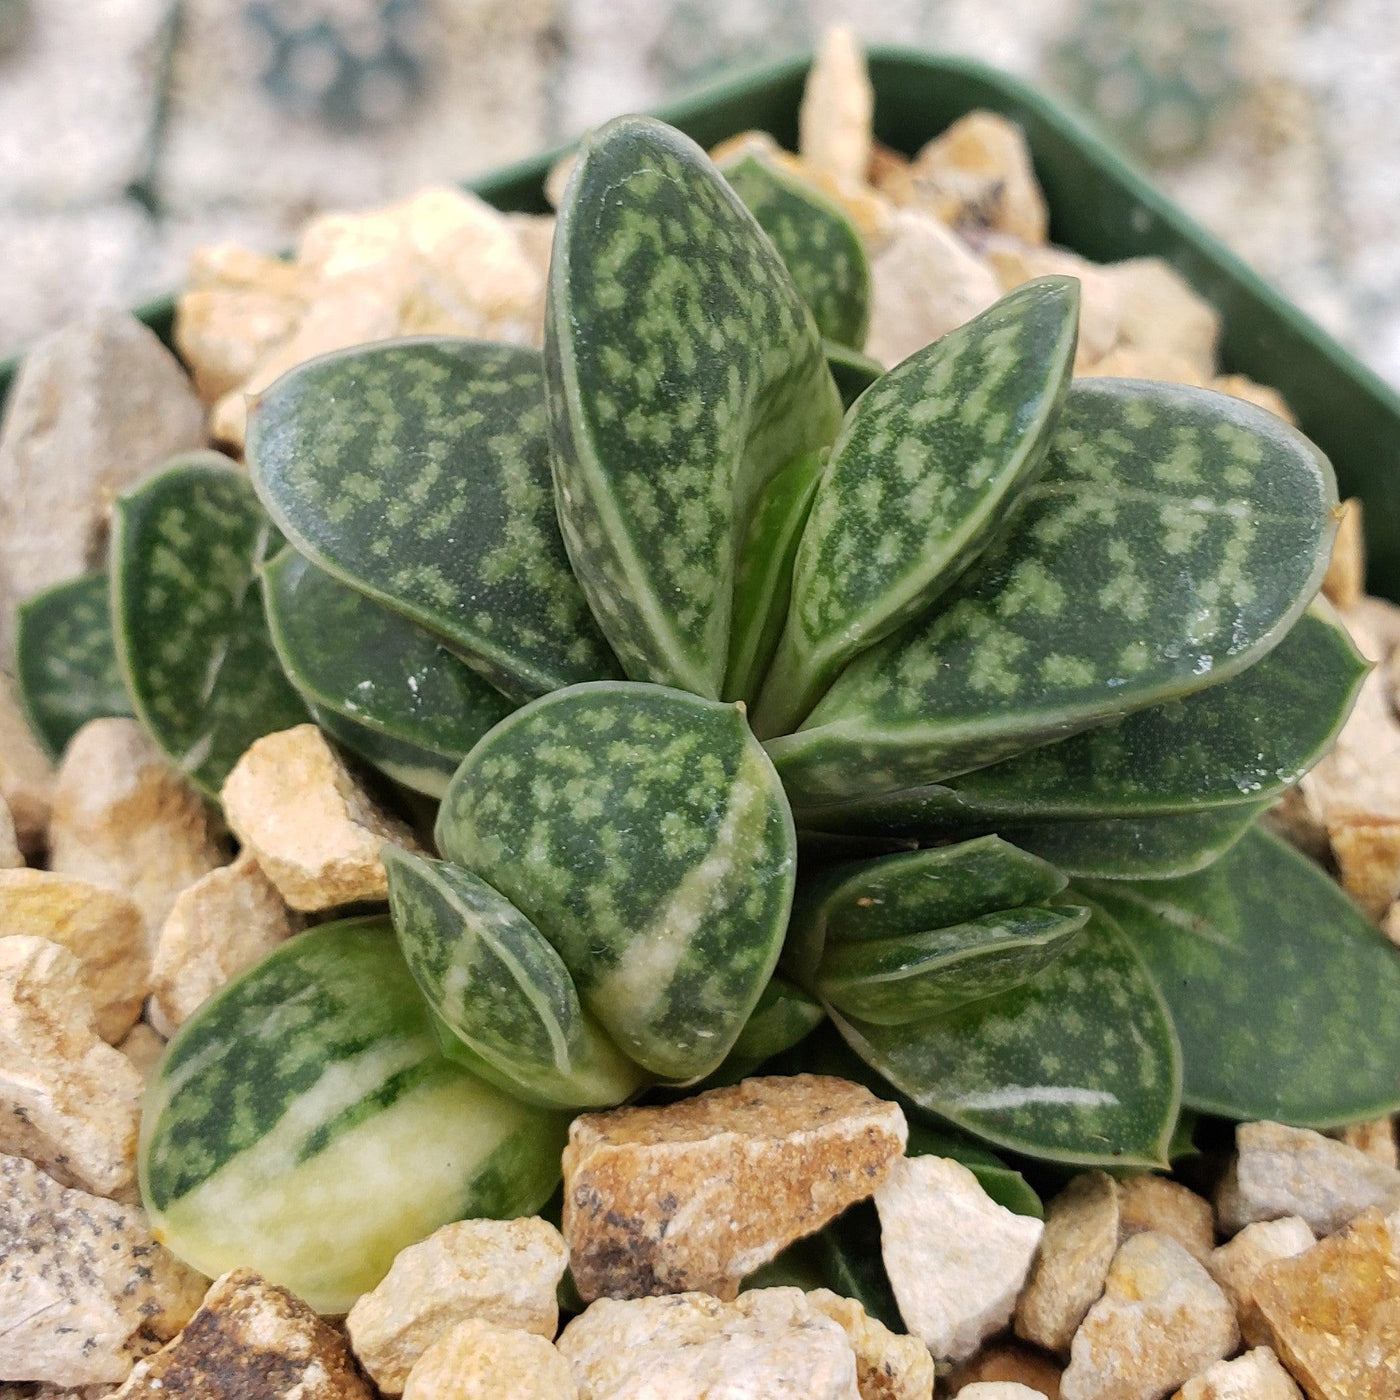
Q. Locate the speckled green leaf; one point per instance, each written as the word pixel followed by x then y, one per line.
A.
pixel 784 1017
pixel 303 1124
pixel 819 245
pixel 495 982
pixel 356 659
pixel 853 372
pixel 644 833
pixel 926 467
pixel 1080 1064
pixel 417 471
pixel 421 770
pixel 684 370
pixel 1286 998
pixel 66 668
pixel 190 633
pixel 1173 539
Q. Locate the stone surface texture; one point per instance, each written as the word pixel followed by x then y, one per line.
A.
pixel 999 1390
pixel 838 106
pixel 1006 1361
pixel 698 1194
pixel 26 775
pixel 476 1361
pixel 1257 1375
pixel 889 1365
pixel 1235 1265
pixel 1150 1202
pixel 143 1046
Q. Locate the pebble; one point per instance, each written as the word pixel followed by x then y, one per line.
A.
pixel 1007 1361
pixel 68 1100
pixel 698 1194
pixel 1376 1138
pixel 476 1361
pixel 1240 386
pixel 889 1365
pixel 693 1346
pixel 1000 1390
pixel 85 1289
pixel 26 775
pixel 955 1258
pixel 1257 1375
pixel 1161 1320
pixel 1149 1202
pixel 95 406
pixel 1147 362
pixel 314 830
pixel 123 818
pixel 143 1046
pixel 924 282
pixel 219 926
pixel 249 1339
pixel 1159 310
pixel 1282 1171
pixel 1344 583
pixel 1333 1313
pixel 11 857
pixel 102 929
pixel 1080 1240
pixel 1235 1265
pixel 501 1272
pixel 834 122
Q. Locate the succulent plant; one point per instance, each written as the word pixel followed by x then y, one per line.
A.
pixel 945 716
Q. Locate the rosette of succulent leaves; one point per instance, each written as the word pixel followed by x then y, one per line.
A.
pixel 916 723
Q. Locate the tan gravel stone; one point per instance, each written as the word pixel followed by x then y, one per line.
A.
pixel 1257 1375
pixel 1080 1240
pixel 889 1365
pixel 924 282
pixel 1016 262
pixel 26 775
pixel 1145 362
pixel 102 929
pixel 1007 1361
pixel 11 857
pixel 1149 1202
pixel 502 1272
pixel 834 122
pixel 220 925
pixel 249 1339
pixel 700 1193
pixel 1159 310
pixel 143 1046
pixel 85 1290
pixel 476 1361
pixel 1240 386
pixel 312 827
pixel 1161 1320
pixel 1333 1313
pixel 67 1100
pixel 955 1258
pixel 1345 580
pixel 1235 1265
pixel 693 1346
pixel 124 819
pixel 1000 1390
pixel 1282 1171
pixel 1376 1138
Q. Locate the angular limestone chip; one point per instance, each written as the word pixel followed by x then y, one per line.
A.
pixel 26 775
pixel 249 1339
pixel 924 282
pixel 1145 362
pixel 476 1361
pixel 67 1100
pixel 698 1194
pixel 835 120
pixel 102 929
pixel 11 857
pixel 1345 581
pixel 1158 310
pixel 1080 1240
pixel 1376 1138
pixel 502 1272
pixel 1256 1375
pixel 1015 262
pixel 220 925
pixel 889 1366
pixel 315 832
pixel 1240 386
pixel 955 1258
pixel 123 818
pixel 1161 1320
pixel 1333 1313
pixel 1149 1202
pixel 1006 1361
pixel 693 1346
pixel 999 1390
pixel 1235 1266
pixel 143 1047
pixel 85 1290
pixel 1282 1171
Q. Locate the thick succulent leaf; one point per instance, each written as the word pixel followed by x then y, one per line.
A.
pixel 926 467
pixel 893 981
pixel 853 372
pixel 303 1124
pixel 684 370
pixel 417 472
pixel 784 1017
pixel 494 980
pixel 191 637
pixel 66 668
pixel 1172 541
pixel 820 247
pixel 1138 848
pixel 355 658
pixel 418 769
pixel 644 833
pixel 1080 1064
pixel 1286 998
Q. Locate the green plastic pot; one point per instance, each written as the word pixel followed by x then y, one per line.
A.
pixel 1100 207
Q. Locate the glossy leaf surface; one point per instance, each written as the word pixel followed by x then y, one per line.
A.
pixel 784 1017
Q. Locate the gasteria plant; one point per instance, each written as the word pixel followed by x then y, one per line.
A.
pixel 955 708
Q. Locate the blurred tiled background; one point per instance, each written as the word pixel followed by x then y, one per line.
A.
pixel 133 130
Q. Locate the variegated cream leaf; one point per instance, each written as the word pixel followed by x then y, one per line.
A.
pixel 417 472
pixel 926 468
pixel 1172 541
pixel 644 833
pixel 191 638
pixel 684 370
